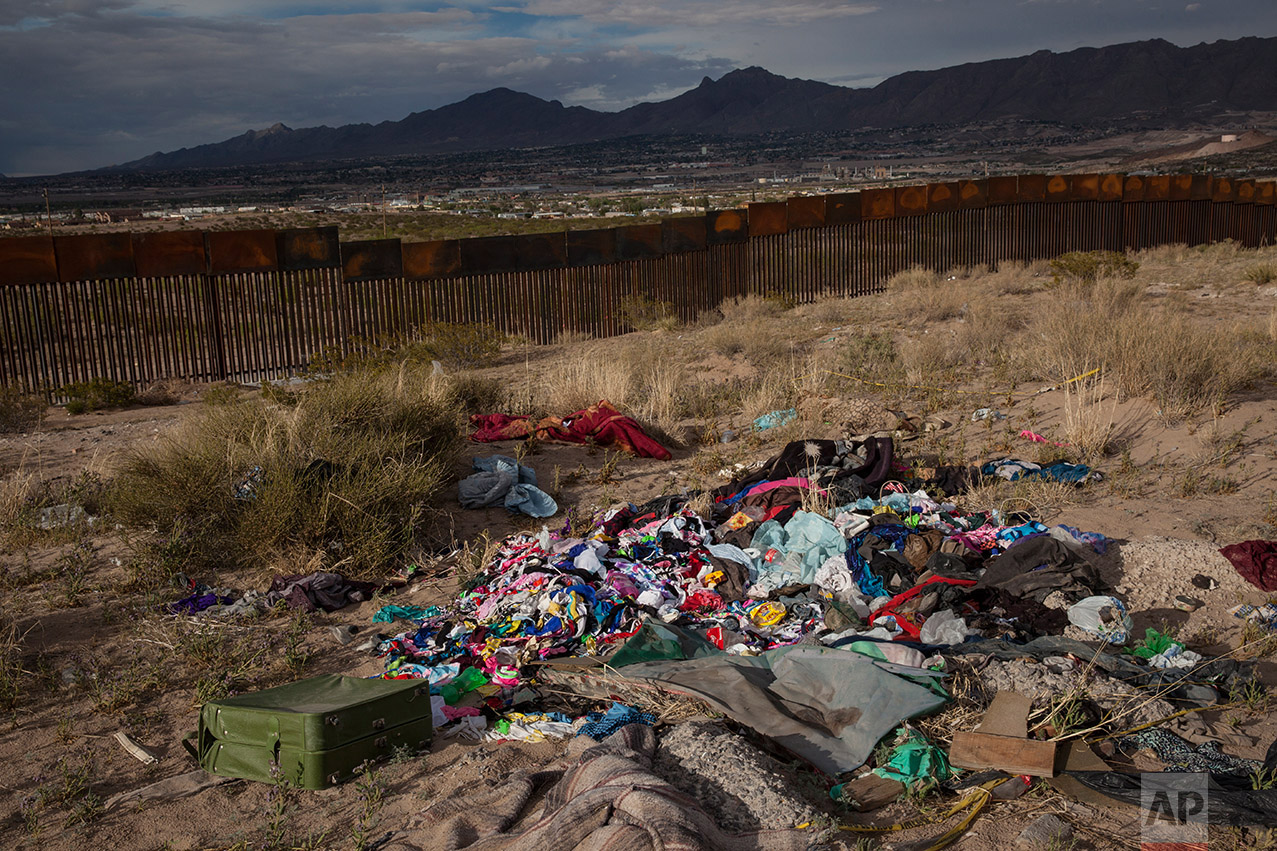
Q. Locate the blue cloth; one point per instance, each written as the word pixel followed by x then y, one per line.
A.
pixel 866 581
pixel 600 725
pixel 1098 542
pixel 775 419
pixel 501 479
pixel 1013 469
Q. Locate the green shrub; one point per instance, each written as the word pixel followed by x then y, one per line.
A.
pixel 96 394
pixel 1087 267
pixel 20 409
pixel 347 473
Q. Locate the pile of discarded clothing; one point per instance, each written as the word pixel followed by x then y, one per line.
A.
pixel 814 549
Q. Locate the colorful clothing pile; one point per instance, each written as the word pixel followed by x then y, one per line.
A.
pixel 751 579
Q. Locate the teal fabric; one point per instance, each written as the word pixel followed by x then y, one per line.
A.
pixel 810 535
pixel 915 762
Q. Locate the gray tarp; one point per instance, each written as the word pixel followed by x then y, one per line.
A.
pixel 828 706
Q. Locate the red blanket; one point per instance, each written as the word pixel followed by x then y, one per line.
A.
pixel 1256 561
pixel 601 424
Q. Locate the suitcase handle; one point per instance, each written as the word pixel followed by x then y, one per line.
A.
pixel 190 748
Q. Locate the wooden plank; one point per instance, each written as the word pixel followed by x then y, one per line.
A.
pixel 1007 715
pixel 869 792
pixel 1005 753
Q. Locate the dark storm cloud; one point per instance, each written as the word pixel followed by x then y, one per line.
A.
pixel 92 82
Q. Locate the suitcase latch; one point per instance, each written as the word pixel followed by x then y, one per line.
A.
pixel 382 741
pixel 379 724
pixel 333 720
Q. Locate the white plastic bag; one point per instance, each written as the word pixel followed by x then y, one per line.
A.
pixel 943 627
pixel 1103 617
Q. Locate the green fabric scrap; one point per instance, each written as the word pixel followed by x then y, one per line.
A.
pixel 662 642
pixel 915 762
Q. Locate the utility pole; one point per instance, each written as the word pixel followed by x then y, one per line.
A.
pixel 48 212
pixel 383 211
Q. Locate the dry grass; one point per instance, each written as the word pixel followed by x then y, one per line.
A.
pixel 761 340
pixel 18 490
pixel 11 672
pixel 926 294
pixel 1261 273
pixel 586 378
pixel 1089 421
pixel 1146 350
pixel 930 358
pixel 1039 498
pixel 638 376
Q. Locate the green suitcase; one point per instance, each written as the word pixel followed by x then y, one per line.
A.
pixel 312 733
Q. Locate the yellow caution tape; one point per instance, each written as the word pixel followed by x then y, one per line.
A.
pixel 975 801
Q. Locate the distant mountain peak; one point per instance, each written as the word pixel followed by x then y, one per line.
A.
pixel 274 130
pixel 1115 85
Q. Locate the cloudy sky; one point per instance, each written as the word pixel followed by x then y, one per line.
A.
pixel 89 83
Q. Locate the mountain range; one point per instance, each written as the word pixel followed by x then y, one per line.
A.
pixel 1138 84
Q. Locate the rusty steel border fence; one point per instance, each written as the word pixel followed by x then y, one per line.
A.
pixel 254 305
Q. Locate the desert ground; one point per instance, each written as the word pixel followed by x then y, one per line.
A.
pixel 1177 409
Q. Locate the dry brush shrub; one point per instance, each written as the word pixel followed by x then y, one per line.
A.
pixel 11 671
pixel 1087 267
pixel 1089 420
pixel 1013 277
pixel 750 307
pixel 931 358
pixel 21 410
pixel 465 345
pixel 348 470
pixel 927 294
pixel 1261 273
pixel 646 313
